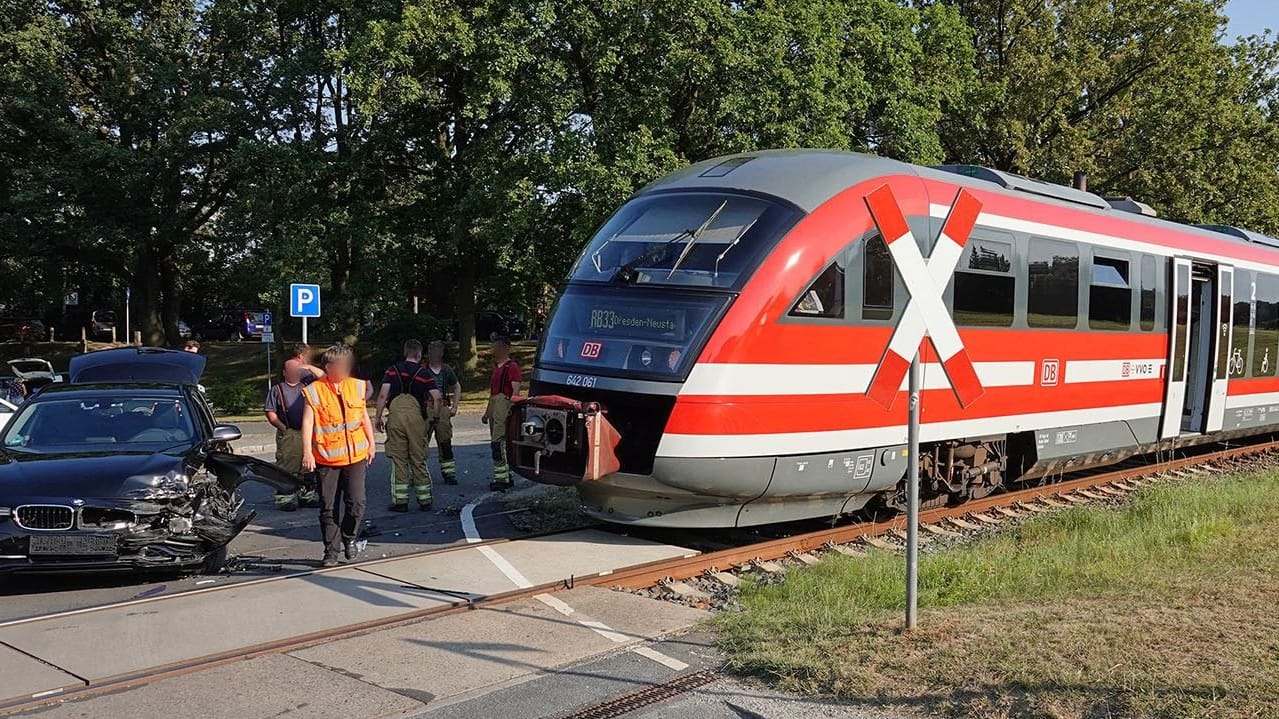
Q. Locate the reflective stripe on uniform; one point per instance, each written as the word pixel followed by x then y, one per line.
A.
pixel 333 453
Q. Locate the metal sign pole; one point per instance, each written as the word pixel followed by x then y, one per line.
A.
pixel 912 497
pixel 304 331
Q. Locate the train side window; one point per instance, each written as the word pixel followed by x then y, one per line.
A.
pixel 1109 295
pixel 1242 321
pixel 1052 299
pixel 1147 320
pixel 984 285
pixel 825 297
pixel 877 280
pixel 1265 344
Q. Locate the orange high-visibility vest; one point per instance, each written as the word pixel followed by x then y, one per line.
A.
pixel 338 437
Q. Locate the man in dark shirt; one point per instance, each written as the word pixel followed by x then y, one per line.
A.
pixel 283 408
pixel 504 385
pixel 409 391
pixel 440 424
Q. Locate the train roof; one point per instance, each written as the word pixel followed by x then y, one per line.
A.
pixel 808 178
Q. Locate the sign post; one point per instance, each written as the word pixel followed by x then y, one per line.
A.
pixel 304 302
pixel 128 329
pixel 912 496
pixel 268 338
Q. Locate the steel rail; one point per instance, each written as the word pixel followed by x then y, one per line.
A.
pixel 652 573
pixel 635 577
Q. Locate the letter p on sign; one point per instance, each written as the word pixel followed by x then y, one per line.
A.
pixel 304 300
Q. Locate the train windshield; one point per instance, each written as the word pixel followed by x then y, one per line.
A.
pixel 613 330
pixel 697 239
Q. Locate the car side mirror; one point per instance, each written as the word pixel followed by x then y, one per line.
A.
pixel 226 433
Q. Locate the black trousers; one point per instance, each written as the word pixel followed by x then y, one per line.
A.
pixel 347 484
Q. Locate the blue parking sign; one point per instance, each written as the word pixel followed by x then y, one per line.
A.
pixel 267 318
pixel 304 300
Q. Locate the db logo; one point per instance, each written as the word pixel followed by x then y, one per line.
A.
pixel 1048 372
pixel 591 350
pixel 1125 370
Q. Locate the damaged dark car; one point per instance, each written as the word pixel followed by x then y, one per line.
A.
pixel 124 467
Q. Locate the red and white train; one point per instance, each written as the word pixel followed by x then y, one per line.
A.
pixel 745 325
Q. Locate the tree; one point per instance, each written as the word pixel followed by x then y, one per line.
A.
pixel 127 120
pixel 1144 97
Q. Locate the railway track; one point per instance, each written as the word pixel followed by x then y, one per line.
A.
pixel 801 547
pixel 971 516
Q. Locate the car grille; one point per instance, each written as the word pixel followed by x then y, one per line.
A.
pixel 44 516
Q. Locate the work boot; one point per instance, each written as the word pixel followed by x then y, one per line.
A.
pixel 308 498
pixel 287 503
pixel 424 506
pixel 397 507
pixel 329 561
pixel 350 548
pixel 496 486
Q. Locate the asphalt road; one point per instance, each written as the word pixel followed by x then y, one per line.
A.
pixel 286 542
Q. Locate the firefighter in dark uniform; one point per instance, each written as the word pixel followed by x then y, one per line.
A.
pixel 409 392
pixel 504 385
pixel 440 424
pixel 284 406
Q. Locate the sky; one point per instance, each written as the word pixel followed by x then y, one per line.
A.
pixel 1250 17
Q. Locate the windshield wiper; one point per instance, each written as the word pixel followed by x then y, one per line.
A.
pixel 731 245
pixel 692 239
pixel 626 273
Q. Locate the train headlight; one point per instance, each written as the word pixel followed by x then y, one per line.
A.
pixel 554 432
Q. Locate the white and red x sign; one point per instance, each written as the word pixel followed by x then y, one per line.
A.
pixel 926 314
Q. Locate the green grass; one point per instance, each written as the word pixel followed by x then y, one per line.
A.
pixel 1164 607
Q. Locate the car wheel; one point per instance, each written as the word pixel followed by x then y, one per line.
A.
pixel 238 337
pixel 214 562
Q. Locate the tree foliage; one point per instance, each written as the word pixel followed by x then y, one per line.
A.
pixel 450 154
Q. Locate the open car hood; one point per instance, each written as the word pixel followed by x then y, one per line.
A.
pixel 143 364
pixel 232 470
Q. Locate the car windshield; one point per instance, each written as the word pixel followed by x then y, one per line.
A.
pixel 697 239
pixel 97 423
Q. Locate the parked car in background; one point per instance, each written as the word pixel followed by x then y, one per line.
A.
pixel 22 329
pixel 491 323
pixel 97 324
pixel 234 326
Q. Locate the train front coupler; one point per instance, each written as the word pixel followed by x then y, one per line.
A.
pixel 561 441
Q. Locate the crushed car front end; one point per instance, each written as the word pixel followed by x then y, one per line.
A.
pixel 134 477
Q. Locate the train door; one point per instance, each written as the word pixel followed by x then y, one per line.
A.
pixel 1191 324
pixel 1224 339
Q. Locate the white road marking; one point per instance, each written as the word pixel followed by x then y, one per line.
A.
pixel 605 631
pixel 472 534
pixel 556 604
pixel 669 662
pixel 513 574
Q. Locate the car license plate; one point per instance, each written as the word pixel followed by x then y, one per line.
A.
pixel 73 545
